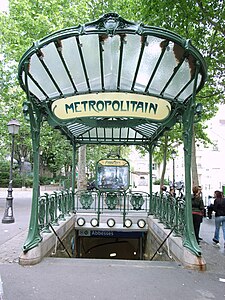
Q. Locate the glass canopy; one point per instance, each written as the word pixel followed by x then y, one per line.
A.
pixel 112 81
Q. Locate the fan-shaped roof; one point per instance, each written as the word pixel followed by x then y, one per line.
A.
pixel 112 81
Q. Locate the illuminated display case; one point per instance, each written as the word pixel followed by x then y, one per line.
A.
pixel 113 174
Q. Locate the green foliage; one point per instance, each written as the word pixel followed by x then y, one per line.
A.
pixel 4 174
pixel 56 152
pixel 97 152
pixel 18 180
pixel 203 23
pixel 158 182
pixel 29 21
pixel 45 180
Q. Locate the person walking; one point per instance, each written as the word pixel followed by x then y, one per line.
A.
pixel 219 208
pixel 197 210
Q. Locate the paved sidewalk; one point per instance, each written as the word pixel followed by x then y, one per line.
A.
pixel 215 257
pixel 66 279
pixel 12 236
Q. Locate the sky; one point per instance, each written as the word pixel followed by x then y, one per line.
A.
pixel 3 5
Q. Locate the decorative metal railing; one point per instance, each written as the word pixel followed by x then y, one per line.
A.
pixel 57 205
pixel 54 207
pixel 112 201
pixel 170 211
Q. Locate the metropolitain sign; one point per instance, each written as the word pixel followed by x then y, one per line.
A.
pixel 113 162
pixel 111 105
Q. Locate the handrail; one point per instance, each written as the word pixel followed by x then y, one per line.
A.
pixel 170 211
pixel 56 206
pixel 160 246
pixel 52 208
pixel 61 242
pixel 112 201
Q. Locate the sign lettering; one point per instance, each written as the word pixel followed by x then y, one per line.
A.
pixel 111 105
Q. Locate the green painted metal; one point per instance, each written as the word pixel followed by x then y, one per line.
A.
pixel 124 209
pixel 34 237
pixel 53 208
pixel 123 33
pixel 112 200
pixel 41 213
pixel 188 123
pixel 61 205
pixel 38 77
pixel 137 201
pixel 98 202
pixel 170 211
pixel 86 199
pixel 74 163
pixel 99 198
pixel 68 203
pixel 150 150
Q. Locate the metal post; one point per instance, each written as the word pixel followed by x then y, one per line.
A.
pixel 173 157
pixel 73 175
pixel 34 237
pixel 173 173
pixel 36 117
pixel 188 121
pixel 150 150
pixel 8 215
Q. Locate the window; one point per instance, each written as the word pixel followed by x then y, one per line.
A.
pixel 154 166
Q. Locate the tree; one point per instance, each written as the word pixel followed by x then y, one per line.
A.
pixel 28 21
pixel 203 23
pixel 82 178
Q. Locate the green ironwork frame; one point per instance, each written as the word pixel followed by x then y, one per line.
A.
pixel 40 110
pixel 169 210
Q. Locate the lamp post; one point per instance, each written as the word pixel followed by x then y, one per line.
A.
pixel 13 127
pixel 173 154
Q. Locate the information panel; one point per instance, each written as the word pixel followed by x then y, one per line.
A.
pixel 113 174
pixel 109 234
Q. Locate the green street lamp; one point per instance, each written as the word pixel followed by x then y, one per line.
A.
pixel 13 127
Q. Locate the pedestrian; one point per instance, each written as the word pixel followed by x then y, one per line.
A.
pixel 164 192
pixel 164 189
pixel 197 210
pixel 219 208
pixel 172 192
pixel 209 211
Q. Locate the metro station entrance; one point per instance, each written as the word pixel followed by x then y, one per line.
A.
pixel 116 229
pixel 110 244
pixel 111 82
